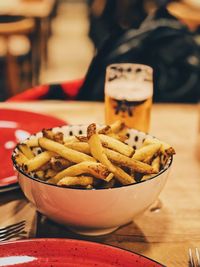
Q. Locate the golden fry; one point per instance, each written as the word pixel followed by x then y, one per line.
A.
pixel 47 133
pixel 115 136
pixel 46 166
pixel 114 128
pixel 116 145
pixel 81 138
pixel 63 151
pixel 38 161
pixel 105 130
pixel 70 139
pixel 32 142
pixel 109 184
pixel 79 146
pixel 156 164
pixel 20 158
pixel 164 159
pixel 123 134
pixel 97 149
pixel 118 136
pixel 58 163
pixel 26 151
pixel 91 130
pixel 57 137
pixel 87 167
pixel 50 173
pixel 135 165
pixel 89 186
pixel 40 174
pixel 146 177
pixel 117 126
pixel 165 148
pixel 123 177
pixel 80 180
pixel 146 152
pixel 109 177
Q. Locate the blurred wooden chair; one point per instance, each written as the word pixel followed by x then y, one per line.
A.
pixel 18 34
pixel 3 51
pixel 186 12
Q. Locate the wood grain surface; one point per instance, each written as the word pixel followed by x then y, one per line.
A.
pixel 172 224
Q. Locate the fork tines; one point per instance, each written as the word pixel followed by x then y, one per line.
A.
pixel 12 231
pixel 194 260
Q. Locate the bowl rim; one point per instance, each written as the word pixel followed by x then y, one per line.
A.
pixel 86 189
pixel 93 189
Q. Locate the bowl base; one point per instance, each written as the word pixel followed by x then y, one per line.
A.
pixel 92 232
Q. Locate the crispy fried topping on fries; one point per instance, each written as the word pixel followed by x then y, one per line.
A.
pixel 100 159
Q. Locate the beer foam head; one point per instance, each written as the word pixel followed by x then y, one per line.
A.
pixel 132 82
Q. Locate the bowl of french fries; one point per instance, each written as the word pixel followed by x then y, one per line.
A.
pixel 92 178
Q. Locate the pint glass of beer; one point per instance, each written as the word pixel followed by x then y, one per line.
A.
pixel 128 95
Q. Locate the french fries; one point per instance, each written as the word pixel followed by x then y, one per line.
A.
pixel 101 159
pixel 82 138
pixel 58 137
pixel 116 145
pixel 63 151
pixel 26 151
pixel 122 160
pixel 79 146
pixel 117 126
pixel 109 184
pixel 123 177
pixel 156 165
pixel 40 174
pixel 165 148
pixel 105 130
pixel 49 173
pixel 146 153
pixel 20 158
pixel 78 180
pixel 58 163
pixel 70 139
pixel 33 142
pixel 117 130
pixel 38 161
pixel 87 167
pixel 96 148
pixel 114 128
pixel 46 166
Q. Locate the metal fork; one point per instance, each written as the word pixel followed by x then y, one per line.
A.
pixel 12 231
pixel 194 258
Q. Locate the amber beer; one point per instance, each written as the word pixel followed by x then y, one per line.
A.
pixel 128 95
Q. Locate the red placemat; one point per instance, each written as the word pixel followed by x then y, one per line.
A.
pixel 15 126
pixel 68 253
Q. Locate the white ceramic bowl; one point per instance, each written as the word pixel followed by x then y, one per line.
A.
pixel 98 211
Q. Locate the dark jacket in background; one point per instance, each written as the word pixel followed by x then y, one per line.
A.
pixel 162 42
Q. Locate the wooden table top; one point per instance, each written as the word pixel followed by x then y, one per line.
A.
pixel 28 8
pixel 172 225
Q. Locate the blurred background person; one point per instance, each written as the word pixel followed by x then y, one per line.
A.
pixel 151 36
pixel 79 39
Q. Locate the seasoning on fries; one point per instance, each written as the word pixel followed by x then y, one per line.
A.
pixel 99 159
pixel 87 167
